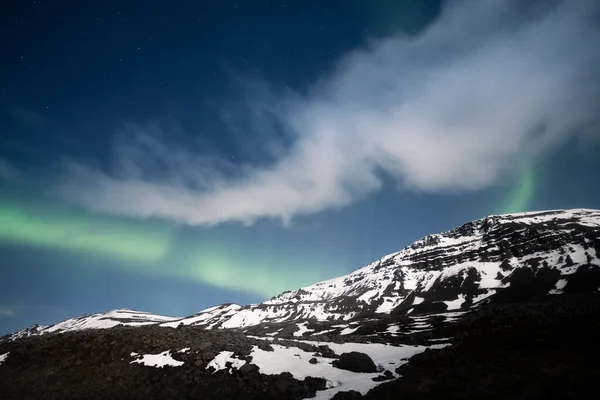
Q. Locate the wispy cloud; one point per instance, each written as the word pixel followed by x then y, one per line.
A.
pixel 9 311
pixel 483 90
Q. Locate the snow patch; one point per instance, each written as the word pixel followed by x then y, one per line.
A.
pixel 302 329
pixel 157 360
pixel 323 332
pixel 3 357
pixel 558 288
pixel 369 294
pixel 221 360
pixel 295 361
pixel 561 284
pixel 455 304
pixel 480 297
pixel 393 329
pixel 348 331
pixel 389 303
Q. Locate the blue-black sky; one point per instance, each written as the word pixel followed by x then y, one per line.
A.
pixel 174 155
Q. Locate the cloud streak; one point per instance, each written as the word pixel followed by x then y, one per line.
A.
pixel 482 91
pixel 9 311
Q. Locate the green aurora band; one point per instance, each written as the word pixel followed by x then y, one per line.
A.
pixel 60 229
pixel 519 200
pixel 149 249
pixel 255 274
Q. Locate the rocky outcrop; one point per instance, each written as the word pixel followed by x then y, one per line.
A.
pixel 356 362
pixel 531 350
pixel 349 395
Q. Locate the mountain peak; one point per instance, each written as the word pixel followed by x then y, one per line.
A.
pixel 488 260
pixel 479 277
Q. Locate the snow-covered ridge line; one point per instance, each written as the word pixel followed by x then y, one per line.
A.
pixel 484 253
pixel 104 320
pixel 457 270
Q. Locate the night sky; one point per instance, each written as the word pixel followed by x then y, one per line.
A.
pixel 169 156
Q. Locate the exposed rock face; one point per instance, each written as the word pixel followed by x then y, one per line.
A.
pixel 496 259
pixel 355 362
pixel 532 350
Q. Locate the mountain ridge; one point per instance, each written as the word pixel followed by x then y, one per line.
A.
pixel 448 271
pixel 436 305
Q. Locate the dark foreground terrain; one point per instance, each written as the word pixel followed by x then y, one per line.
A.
pixel 532 350
pixel 546 350
pixel 95 364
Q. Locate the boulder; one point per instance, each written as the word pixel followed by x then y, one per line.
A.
pixel 349 395
pixel 387 375
pixel 248 369
pixel 355 362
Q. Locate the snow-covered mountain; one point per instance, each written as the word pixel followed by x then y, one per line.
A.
pixel 439 300
pixel 94 321
pixel 496 259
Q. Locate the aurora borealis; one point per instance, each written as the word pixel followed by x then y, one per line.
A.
pixel 181 155
pixel 51 228
pixel 150 249
pixel 521 197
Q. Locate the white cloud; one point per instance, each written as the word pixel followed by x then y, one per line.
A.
pixel 9 311
pixel 484 89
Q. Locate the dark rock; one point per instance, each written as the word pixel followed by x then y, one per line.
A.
pixel 355 362
pixel 315 383
pixel 349 395
pixel 265 346
pixel 283 382
pixel 248 369
pixel 313 361
pixel 204 345
pixel 326 352
pixel 208 355
pixel 387 375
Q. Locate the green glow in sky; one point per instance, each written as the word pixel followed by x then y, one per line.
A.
pixel 263 275
pixel 157 250
pixel 64 230
pixel 519 200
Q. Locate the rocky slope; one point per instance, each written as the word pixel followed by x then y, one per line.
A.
pixel 487 278
pixel 496 259
pixel 542 349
